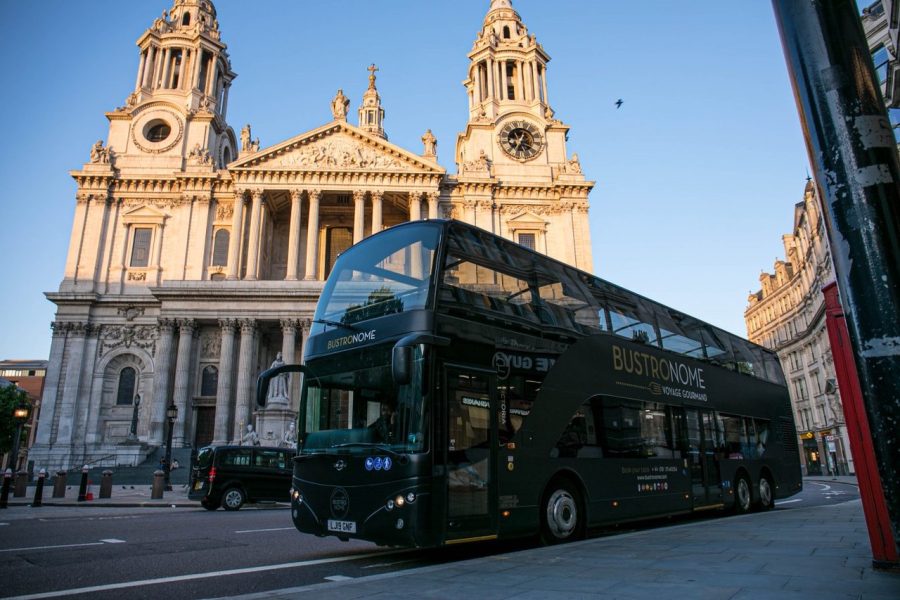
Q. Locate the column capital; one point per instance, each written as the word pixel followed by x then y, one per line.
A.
pixel 239 194
pixel 379 194
pixel 166 324
pixel 257 194
pixel 228 324
pixel 288 325
pixel 314 194
pixel 305 324
pixel 433 195
pixel 187 325
pixel 296 195
pixel 359 195
pixel 247 326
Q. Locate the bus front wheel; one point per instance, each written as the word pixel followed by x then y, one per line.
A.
pixel 561 518
pixel 742 497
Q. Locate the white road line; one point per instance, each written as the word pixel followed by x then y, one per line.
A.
pixel 337 578
pixel 272 529
pixel 780 502
pixel 50 547
pixel 113 541
pixel 194 576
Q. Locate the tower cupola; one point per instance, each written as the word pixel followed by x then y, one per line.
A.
pixel 371 114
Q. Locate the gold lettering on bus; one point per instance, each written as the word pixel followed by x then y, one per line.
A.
pixel 643 364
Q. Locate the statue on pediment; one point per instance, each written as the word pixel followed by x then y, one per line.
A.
pixel 340 106
pixel 573 165
pixel 99 154
pixel 430 143
pixel 248 144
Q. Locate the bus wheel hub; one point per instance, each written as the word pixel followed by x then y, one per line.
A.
pixel 562 514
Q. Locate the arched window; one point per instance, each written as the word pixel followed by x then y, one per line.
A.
pixel 506 33
pixel 186 19
pixel 209 381
pixel 220 248
pixel 226 156
pixel 127 382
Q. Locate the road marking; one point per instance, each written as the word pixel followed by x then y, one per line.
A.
pixel 113 541
pixel 272 529
pixel 195 576
pixel 337 578
pixel 51 547
pixel 2 524
pixel 780 502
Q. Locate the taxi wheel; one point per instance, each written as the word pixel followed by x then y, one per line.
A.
pixel 233 498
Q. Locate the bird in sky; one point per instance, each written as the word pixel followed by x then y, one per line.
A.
pixel 619 103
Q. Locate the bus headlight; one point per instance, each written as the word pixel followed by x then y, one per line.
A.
pixel 389 505
pixel 411 497
pixel 297 496
pixel 399 501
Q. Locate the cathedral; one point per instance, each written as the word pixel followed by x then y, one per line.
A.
pixel 197 256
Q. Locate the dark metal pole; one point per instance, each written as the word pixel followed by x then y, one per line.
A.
pixel 168 466
pixel 853 151
pixel 13 461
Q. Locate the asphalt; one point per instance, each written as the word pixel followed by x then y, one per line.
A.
pixel 819 552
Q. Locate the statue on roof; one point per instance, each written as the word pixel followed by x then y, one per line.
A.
pixel 430 143
pixel 339 106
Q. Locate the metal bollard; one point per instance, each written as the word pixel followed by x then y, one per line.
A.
pixel 4 494
pixel 156 492
pixel 59 485
pixel 39 489
pixel 21 484
pixel 106 484
pixel 82 489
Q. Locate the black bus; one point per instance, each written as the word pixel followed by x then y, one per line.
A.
pixel 459 387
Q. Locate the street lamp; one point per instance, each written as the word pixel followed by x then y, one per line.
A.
pixel 132 435
pixel 20 415
pixel 171 415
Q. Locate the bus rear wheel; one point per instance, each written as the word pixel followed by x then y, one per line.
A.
pixel 743 499
pixel 561 517
pixel 766 496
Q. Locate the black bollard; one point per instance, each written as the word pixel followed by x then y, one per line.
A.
pixel 59 485
pixel 82 489
pixel 106 484
pixel 39 489
pixel 4 494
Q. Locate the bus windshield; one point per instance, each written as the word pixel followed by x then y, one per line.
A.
pixel 355 408
pixel 382 275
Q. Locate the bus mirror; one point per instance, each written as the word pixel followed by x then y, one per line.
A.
pixel 401 364
pixel 262 384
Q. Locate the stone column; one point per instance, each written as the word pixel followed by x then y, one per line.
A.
pixel 294 235
pixel 245 379
pixel 253 241
pixel 142 61
pixel 489 65
pixel 222 433
pixel 183 370
pixel 72 384
pixel 415 206
pixel 534 81
pixel 51 382
pixel 289 349
pixel 377 211
pixel 161 380
pixel 544 87
pixel 478 84
pixel 234 245
pixel 520 77
pixel 312 235
pixel 359 215
pixel 433 204
pixel 528 90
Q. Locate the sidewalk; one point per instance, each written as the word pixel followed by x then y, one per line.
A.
pixel 796 554
pixel 121 496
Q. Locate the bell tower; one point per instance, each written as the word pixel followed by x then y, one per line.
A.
pixel 515 176
pixel 176 113
pixel 371 114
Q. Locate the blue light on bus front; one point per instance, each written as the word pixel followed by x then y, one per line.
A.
pixel 387 463
pixel 379 462
pixel 370 463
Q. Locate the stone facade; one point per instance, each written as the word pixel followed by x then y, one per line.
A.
pixel 787 315
pixel 196 255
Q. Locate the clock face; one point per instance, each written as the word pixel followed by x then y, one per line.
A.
pixel 521 140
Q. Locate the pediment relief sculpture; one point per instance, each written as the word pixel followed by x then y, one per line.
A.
pixel 339 152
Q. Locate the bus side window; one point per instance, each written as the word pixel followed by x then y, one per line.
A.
pixel 735 437
pixel 579 437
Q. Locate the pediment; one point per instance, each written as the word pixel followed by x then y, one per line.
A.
pixel 336 146
pixel 527 219
pixel 144 214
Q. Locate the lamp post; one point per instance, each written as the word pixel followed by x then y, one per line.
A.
pixel 20 415
pixel 171 415
pixel 132 435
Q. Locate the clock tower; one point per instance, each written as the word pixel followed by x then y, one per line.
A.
pixel 515 176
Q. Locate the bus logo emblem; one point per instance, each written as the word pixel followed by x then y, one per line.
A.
pixel 340 502
pixel 340 465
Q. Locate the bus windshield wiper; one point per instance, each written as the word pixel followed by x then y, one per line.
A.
pixel 336 324
pixel 380 446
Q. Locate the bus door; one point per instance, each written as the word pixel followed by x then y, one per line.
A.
pixel 700 443
pixel 471 454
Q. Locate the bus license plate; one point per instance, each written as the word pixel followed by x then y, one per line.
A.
pixel 341 526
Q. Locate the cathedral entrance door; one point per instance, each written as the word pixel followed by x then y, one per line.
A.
pixel 206 424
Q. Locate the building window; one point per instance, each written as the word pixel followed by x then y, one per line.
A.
pixel 186 19
pixel 140 247
pixel 127 383
pixel 528 240
pixel 880 59
pixel 220 248
pixel 209 381
pixel 338 239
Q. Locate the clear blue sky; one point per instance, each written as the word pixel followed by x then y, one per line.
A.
pixel 696 175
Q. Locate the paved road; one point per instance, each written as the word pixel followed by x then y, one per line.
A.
pixel 193 553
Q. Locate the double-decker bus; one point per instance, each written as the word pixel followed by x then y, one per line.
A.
pixel 459 387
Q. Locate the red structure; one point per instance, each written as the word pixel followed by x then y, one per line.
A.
pixel 884 548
